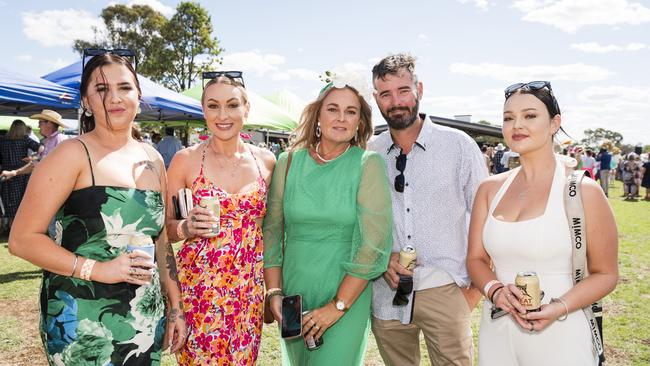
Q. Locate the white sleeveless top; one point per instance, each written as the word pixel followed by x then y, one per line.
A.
pixel 543 245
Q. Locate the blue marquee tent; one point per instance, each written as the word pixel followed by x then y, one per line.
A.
pixel 158 103
pixel 23 95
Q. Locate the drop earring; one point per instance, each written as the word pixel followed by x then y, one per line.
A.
pixel 318 129
pixel 139 110
pixel 88 113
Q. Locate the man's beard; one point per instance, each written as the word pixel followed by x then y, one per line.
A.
pixel 405 120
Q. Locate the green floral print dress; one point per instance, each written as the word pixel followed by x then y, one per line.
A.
pixel 92 323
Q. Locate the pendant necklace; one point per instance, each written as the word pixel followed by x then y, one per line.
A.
pixel 330 160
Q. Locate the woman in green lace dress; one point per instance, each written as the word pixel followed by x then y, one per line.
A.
pixel 335 210
pixel 100 303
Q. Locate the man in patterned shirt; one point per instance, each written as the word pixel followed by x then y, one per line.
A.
pixel 436 171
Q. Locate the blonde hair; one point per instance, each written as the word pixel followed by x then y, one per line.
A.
pixel 306 131
pixel 17 131
pixel 227 81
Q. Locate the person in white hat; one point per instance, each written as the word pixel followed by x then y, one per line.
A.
pixel 49 122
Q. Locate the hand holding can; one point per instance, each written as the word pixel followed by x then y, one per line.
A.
pixel 214 206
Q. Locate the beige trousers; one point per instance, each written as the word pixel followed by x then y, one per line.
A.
pixel 443 316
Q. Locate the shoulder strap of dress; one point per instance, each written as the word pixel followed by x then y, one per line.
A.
pixel 259 171
pixel 205 148
pixel 502 190
pixel 92 174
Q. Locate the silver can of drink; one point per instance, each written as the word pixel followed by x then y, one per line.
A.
pixel 212 204
pixel 407 257
pixel 310 342
pixel 528 283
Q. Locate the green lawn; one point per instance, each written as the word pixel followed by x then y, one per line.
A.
pixel 627 310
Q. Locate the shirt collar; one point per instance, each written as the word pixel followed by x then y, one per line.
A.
pixel 56 133
pixel 420 141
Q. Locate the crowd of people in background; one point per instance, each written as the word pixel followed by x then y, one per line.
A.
pixel 606 165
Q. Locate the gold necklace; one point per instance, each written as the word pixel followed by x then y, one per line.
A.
pixel 236 161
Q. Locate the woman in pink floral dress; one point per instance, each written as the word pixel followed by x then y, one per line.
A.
pixel 220 263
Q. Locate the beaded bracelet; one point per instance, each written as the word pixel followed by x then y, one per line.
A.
pixel 494 293
pixel 179 230
pixel 74 266
pixel 87 269
pixel 566 308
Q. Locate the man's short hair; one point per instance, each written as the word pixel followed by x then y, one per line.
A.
pixel 392 64
pixel 169 131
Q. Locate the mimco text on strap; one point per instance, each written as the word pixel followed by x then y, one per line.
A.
pixel 576 215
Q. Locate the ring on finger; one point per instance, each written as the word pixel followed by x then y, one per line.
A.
pixel 193 218
pixel 317 327
pixel 532 328
pixel 131 270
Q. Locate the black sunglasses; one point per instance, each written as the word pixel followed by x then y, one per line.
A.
pixel 124 52
pixel 237 76
pixel 400 165
pixel 533 85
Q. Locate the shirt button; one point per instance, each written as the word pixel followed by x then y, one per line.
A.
pixel 408 237
pixel 408 210
pixel 407 184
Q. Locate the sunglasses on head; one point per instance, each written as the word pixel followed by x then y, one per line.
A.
pixel 531 86
pixel 124 52
pixel 400 165
pixel 237 76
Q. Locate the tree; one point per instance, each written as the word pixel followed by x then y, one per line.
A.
pixel 594 138
pixel 167 50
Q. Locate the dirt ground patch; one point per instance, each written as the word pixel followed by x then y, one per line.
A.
pixel 29 349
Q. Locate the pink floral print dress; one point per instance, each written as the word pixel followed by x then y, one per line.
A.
pixel 222 279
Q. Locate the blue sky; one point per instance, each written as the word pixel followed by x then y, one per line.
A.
pixel 595 53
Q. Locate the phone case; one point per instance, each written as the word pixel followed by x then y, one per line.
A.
pixel 297 312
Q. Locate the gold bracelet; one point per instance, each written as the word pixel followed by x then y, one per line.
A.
pixel 274 292
pixel 87 269
pixel 179 230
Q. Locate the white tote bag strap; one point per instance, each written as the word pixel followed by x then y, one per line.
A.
pixel 576 216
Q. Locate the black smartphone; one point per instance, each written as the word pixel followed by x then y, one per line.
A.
pixel 291 316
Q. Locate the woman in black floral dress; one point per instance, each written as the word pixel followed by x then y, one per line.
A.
pixel 101 303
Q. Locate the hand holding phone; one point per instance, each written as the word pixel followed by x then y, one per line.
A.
pixel 291 317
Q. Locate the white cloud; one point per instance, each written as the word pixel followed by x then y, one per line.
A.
pixel 423 36
pixel 571 15
pixel 280 76
pixel 253 61
pixel 619 108
pixel 24 57
pixel 571 72
pixel 595 47
pixel 304 74
pixel 165 10
pixel 481 4
pixel 621 95
pixel 52 28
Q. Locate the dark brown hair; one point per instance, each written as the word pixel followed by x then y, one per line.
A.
pixel 87 123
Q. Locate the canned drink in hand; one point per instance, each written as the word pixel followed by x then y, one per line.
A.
pixel 214 206
pixel 407 257
pixel 144 243
pixel 528 283
pixel 310 342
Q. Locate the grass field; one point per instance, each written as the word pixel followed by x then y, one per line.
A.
pixel 627 309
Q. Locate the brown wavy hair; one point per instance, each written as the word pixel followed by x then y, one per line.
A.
pixel 306 131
